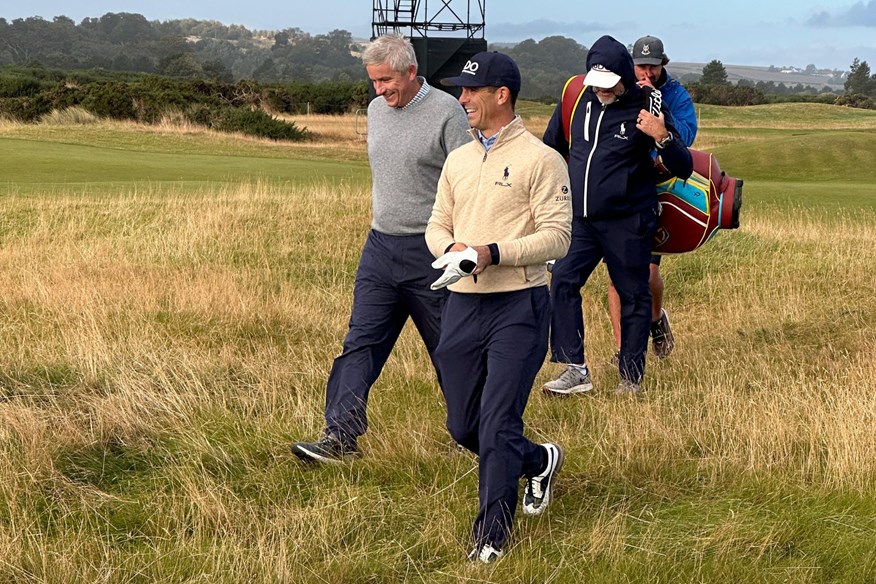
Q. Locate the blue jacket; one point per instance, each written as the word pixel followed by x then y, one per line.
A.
pixel 677 100
pixel 610 166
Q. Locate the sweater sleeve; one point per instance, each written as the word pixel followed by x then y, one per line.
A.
pixel 439 230
pixel 455 132
pixel 551 208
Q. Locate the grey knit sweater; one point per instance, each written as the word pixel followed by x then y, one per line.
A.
pixel 407 149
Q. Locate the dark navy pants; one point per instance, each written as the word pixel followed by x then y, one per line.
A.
pixel 626 245
pixel 392 283
pixel 492 346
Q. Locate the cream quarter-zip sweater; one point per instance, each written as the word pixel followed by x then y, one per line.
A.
pixel 517 196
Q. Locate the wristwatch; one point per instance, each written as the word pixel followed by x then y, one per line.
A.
pixel 661 144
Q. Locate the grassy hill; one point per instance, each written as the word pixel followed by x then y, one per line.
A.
pixel 171 302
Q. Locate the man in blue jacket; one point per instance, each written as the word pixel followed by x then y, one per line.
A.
pixel 650 60
pixel 614 207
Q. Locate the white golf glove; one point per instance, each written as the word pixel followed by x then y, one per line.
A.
pixel 457 265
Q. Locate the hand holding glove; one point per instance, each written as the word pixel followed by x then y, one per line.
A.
pixel 457 265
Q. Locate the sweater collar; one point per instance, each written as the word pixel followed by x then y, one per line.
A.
pixel 508 132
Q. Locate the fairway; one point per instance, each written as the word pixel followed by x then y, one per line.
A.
pixel 112 158
pixel 171 303
pixel 73 166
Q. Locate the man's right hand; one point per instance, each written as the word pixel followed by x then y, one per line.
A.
pixel 456 265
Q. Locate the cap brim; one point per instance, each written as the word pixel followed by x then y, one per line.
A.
pixel 647 61
pixel 601 79
pixel 461 82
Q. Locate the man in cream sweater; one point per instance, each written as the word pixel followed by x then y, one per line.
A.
pixel 502 210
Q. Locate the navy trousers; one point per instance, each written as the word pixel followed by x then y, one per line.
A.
pixel 392 283
pixel 492 346
pixel 626 245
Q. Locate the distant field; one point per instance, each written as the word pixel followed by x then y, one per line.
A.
pixel 737 72
pixel 171 302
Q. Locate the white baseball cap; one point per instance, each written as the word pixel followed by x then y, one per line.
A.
pixel 599 76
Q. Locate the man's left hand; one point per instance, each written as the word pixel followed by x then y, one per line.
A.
pixel 652 125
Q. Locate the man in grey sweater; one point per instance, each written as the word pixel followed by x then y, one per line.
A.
pixel 411 130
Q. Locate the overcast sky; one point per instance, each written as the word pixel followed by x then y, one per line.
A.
pixel 826 33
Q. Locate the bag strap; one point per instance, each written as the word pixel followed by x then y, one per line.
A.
pixel 572 92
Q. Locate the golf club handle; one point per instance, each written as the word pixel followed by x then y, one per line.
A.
pixel 655 100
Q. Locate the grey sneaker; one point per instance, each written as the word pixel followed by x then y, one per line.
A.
pixel 627 387
pixel 662 340
pixel 329 448
pixel 485 554
pixel 570 381
pixel 538 491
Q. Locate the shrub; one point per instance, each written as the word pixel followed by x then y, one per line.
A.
pixel 111 100
pixel 725 94
pixel 323 98
pixel 25 109
pixel 856 100
pixel 256 122
pixel 18 87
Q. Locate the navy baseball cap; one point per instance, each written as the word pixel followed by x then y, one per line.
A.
pixel 487 69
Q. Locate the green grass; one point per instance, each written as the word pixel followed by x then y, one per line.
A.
pixel 107 165
pixel 805 115
pixel 171 305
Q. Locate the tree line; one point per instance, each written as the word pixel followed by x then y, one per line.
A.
pixel 179 48
pixel 128 44
pixel 860 86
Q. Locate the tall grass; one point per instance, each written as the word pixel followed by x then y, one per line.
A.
pixel 70 116
pixel 160 348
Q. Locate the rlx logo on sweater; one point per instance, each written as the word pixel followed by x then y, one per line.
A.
pixel 505 176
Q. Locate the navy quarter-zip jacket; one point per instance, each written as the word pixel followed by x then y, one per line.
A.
pixel 610 166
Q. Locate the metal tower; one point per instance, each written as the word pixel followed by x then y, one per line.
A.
pixel 413 18
pixel 444 33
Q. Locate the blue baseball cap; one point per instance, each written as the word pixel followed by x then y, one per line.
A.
pixel 487 69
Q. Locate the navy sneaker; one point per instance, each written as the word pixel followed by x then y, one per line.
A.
pixel 329 448
pixel 662 339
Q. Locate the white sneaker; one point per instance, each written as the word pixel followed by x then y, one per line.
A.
pixel 485 554
pixel 537 493
pixel 570 381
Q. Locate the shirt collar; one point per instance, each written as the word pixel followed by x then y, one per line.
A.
pixel 487 142
pixel 424 90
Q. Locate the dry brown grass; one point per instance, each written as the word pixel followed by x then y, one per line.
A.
pixel 342 129
pixel 159 349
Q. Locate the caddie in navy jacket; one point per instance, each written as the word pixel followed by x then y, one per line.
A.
pixel 621 178
pixel 614 203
